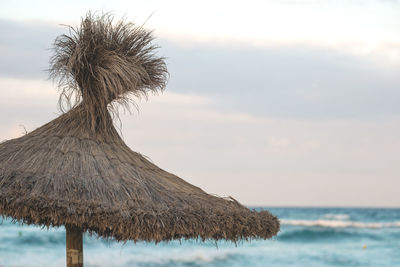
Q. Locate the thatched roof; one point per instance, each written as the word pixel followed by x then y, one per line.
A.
pixel 76 170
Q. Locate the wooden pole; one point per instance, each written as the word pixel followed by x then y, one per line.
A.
pixel 74 246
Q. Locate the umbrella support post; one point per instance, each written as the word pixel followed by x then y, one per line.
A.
pixel 74 246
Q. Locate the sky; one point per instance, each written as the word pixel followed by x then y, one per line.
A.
pixel 275 103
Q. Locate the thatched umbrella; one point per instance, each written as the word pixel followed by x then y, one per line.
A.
pixel 76 170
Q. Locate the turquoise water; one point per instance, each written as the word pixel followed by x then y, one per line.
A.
pixel 308 237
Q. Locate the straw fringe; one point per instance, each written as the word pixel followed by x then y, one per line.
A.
pixel 231 223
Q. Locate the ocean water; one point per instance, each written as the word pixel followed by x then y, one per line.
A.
pixel 308 237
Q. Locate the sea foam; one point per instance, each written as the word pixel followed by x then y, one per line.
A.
pixel 341 223
pixel 336 216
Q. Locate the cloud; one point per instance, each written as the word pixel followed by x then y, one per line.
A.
pixel 25 104
pixel 287 81
pixel 25 48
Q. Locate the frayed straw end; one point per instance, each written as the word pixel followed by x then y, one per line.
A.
pixel 101 62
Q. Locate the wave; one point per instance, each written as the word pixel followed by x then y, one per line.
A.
pixel 336 216
pixel 341 224
pixel 314 235
pixel 183 256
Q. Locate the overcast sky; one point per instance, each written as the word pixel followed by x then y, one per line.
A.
pixel 282 102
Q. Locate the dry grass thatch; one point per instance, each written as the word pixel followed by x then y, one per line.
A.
pixel 76 170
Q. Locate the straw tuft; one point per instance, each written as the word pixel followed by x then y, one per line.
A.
pixel 102 61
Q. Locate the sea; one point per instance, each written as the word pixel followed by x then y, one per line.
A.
pixel 308 237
